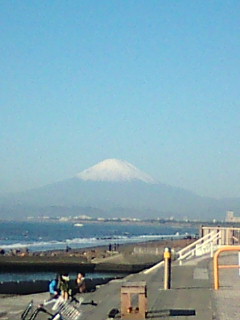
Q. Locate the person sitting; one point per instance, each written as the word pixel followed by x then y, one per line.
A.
pixel 80 283
pixel 64 286
pixel 54 288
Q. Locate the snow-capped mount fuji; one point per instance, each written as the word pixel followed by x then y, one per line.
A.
pixel 114 170
pixel 111 188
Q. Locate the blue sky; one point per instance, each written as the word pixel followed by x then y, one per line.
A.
pixel 155 83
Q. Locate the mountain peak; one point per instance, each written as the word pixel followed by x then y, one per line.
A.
pixel 114 170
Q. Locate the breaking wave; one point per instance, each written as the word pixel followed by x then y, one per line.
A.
pixel 79 243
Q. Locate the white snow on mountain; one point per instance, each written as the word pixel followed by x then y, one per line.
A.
pixel 114 170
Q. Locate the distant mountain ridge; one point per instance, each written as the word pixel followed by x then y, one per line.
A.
pixel 114 188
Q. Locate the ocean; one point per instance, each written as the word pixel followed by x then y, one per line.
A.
pixel 42 236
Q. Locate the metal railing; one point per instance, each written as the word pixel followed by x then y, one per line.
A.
pixel 216 265
pixel 59 310
pixel 204 245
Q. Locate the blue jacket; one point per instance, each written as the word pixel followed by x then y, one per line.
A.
pixel 53 286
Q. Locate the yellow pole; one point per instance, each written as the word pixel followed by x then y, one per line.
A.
pixel 167 268
pixel 215 270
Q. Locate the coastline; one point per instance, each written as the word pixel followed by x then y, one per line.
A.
pixel 33 239
pixel 126 258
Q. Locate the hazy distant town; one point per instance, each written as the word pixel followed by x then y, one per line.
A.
pixel 79 220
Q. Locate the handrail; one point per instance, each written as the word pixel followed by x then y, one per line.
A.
pixel 196 242
pixel 215 237
pixel 216 266
pixel 183 253
pixel 218 228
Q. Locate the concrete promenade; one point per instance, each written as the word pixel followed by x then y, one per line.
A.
pixel 191 296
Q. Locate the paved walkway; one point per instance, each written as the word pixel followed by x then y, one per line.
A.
pixel 191 296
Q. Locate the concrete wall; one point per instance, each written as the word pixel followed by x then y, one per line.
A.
pixel 29 287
